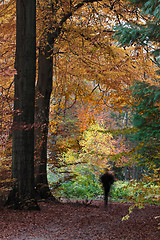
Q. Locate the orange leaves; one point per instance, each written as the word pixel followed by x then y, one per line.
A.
pixel 84 51
pixel 85 117
pixel 7 43
pixel 7 53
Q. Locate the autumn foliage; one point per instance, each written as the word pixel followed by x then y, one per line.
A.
pixel 91 101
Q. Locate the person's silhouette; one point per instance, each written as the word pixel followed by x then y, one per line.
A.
pixel 107 180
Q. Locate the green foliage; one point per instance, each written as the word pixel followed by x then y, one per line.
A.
pixel 85 185
pixel 76 174
pixel 146 109
pixel 145 31
pixel 146 119
pixel 128 34
pixel 119 191
pixel 148 189
pixel 148 7
pixel 138 192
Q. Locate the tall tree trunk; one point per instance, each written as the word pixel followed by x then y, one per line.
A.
pixel 22 194
pixel 43 93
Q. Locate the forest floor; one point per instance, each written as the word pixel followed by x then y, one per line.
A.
pixel 72 220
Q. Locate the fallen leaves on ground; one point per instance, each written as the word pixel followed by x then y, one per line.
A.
pixel 72 220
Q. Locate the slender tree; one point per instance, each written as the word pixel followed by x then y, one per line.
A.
pixel 22 194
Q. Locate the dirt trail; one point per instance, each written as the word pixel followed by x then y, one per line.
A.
pixel 69 221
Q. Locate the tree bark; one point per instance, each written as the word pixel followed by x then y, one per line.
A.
pixel 22 195
pixel 43 94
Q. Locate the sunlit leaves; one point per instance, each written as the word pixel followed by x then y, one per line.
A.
pixel 96 146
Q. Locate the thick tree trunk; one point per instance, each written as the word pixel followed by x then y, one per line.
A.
pixel 43 93
pixel 22 194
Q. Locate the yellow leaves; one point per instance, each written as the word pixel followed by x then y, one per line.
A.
pixel 146 190
pixel 96 146
pixel 93 148
pixel 157 217
pixel 126 217
pixel 5 175
pixel 70 157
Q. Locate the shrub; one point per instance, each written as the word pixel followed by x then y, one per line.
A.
pixel 85 185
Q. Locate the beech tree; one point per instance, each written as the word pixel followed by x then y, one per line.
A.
pixel 44 83
pixel 22 194
pixel 56 15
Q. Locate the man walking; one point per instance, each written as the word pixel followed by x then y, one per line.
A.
pixel 107 180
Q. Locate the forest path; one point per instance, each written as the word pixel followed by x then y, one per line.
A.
pixel 67 221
